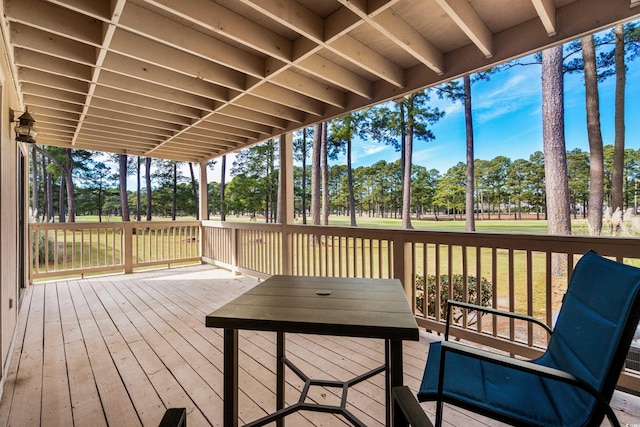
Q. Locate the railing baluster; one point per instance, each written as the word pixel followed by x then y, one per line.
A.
pixel 529 297
pixel 512 296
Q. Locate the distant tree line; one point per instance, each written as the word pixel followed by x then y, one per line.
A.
pixel 504 187
pixel 68 182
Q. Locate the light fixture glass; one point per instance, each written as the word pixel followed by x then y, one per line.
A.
pixel 25 131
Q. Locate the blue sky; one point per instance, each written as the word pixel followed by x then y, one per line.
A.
pixel 508 121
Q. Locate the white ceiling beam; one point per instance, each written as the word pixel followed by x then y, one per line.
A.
pixel 228 24
pixel 220 138
pixel 95 9
pixel 403 35
pixel 54 104
pixel 465 17
pixel 108 32
pixel 238 123
pixel 302 93
pixel 253 116
pixel 119 126
pixel 53 115
pixel 138 100
pixel 396 29
pixel 286 97
pixel 52 44
pixel 285 12
pixel 546 10
pixel 169 79
pixel 179 36
pixel 329 71
pixel 205 126
pixel 146 50
pixel 161 92
pixel 307 25
pixel 37 89
pixel 38 61
pixel 107 103
pixel 269 107
pixel 48 17
pixel 35 76
pixel 112 145
pixel 132 137
pixel 111 115
pixel 186 141
pixel 365 56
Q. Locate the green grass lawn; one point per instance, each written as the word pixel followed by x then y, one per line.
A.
pixel 146 248
pixel 487 226
pixel 527 226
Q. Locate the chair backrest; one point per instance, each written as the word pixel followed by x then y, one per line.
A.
pixel 595 326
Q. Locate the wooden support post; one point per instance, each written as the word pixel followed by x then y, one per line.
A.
pixel 127 229
pixel 204 193
pixel 286 199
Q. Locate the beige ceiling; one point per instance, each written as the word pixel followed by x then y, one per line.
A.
pixel 191 80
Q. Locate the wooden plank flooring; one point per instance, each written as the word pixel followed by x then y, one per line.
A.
pixel 118 350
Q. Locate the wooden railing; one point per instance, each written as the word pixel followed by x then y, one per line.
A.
pixel 516 272
pixel 86 248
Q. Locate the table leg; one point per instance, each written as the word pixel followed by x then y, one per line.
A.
pixel 230 415
pixel 394 379
pixel 280 368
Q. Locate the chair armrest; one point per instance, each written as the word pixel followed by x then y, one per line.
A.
pixel 490 310
pixel 405 401
pixel 174 417
pixel 525 366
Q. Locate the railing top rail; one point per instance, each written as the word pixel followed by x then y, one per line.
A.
pixel 624 247
pixel 112 224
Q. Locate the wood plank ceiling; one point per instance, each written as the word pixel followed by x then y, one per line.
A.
pixel 191 80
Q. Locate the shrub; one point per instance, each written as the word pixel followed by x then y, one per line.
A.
pixel 42 243
pixel 486 293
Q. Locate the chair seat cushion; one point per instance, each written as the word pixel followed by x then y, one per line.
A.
pixel 511 395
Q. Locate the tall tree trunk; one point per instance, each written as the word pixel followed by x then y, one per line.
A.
pixel 122 178
pixel 194 191
pixel 223 185
pixel 100 202
pixel 403 140
pixel 68 176
pixel 48 182
pixel 596 156
pixel 315 174
pixel 352 198
pixel 61 211
pixel 174 202
pixel 304 176
pixel 147 178
pixel 406 181
pixel 470 224
pixel 34 182
pixel 555 153
pixel 324 166
pixel 618 148
pixel 138 195
pixel 46 190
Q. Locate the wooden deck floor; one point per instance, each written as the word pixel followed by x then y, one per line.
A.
pixel 118 350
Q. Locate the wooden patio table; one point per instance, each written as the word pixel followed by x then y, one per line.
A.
pixel 369 308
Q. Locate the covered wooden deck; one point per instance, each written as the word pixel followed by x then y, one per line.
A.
pixel 118 350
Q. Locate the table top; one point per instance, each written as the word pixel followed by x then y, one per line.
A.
pixel 371 308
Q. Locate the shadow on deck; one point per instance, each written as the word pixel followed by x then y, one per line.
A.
pixel 119 350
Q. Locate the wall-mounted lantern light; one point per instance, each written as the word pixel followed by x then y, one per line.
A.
pixel 25 131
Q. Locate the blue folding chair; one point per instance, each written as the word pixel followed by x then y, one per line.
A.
pixel 571 384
